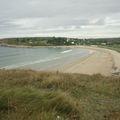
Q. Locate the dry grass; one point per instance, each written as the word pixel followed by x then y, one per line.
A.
pixel 31 95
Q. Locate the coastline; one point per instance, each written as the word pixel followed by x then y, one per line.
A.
pixel 101 61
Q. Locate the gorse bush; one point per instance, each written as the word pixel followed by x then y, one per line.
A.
pixel 32 95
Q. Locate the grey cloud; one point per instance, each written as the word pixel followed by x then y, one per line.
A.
pixel 20 17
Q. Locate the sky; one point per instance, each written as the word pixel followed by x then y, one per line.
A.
pixel 60 18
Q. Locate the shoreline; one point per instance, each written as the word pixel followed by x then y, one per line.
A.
pixel 102 61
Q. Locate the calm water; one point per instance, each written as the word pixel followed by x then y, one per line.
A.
pixel 39 58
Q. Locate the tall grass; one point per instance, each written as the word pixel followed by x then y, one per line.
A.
pixel 31 95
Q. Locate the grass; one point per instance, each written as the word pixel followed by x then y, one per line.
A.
pixel 112 47
pixel 31 95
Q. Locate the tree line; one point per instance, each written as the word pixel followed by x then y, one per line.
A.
pixel 50 41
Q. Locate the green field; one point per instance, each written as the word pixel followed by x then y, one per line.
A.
pixel 31 95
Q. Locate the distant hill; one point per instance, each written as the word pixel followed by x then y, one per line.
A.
pixel 45 41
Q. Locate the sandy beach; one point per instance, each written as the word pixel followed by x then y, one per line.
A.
pixel 103 61
pixel 100 61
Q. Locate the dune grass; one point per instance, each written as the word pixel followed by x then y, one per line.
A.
pixel 31 95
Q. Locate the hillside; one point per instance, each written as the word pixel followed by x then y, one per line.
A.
pixel 48 41
pixel 31 95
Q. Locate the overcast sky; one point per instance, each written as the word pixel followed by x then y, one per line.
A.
pixel 70 18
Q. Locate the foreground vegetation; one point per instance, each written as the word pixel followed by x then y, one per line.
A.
pixel 31 95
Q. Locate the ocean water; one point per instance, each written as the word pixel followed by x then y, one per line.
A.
pixel 39 58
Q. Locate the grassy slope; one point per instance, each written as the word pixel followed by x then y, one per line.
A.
pixel 30 95
pixel 112 47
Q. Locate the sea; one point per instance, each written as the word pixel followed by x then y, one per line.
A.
pixel 44 58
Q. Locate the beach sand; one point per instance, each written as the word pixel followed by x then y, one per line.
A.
pixel 101 61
